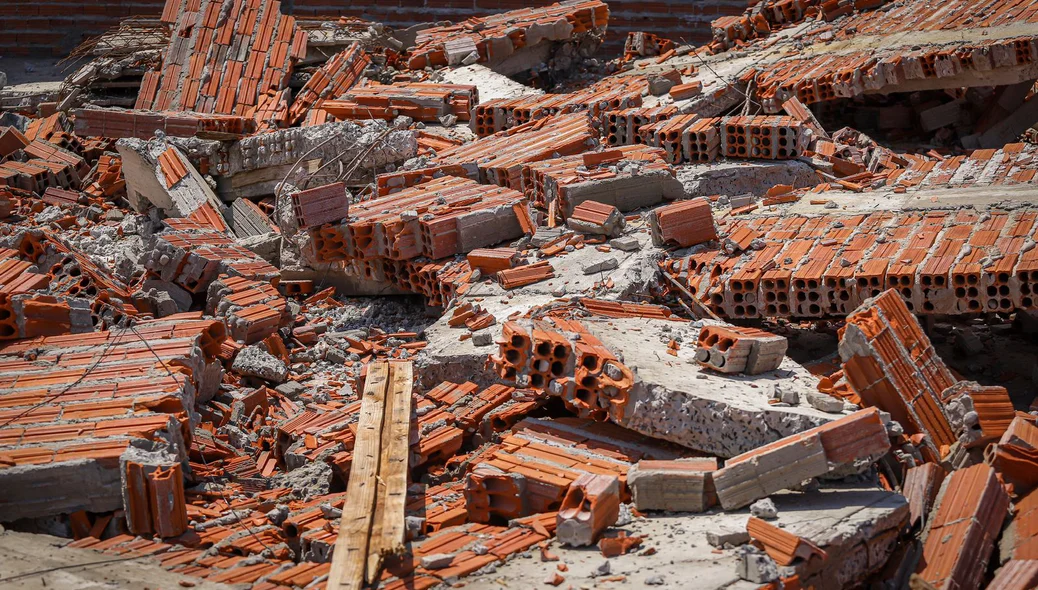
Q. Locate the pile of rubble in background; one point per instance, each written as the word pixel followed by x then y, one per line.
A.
pixel 299 303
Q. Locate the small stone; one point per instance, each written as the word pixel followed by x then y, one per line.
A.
pixel 625 517
pixel 437 561
pixel 602 266
pixel 252 361
pixel 728 538
pixel 334 355
pixel 764 508
pixel 656 580
pixel 482 338
pixel 290 389
pixel 555 579
pixel 626 243
pixel 825 403
pixel 604 569
pixel 790 397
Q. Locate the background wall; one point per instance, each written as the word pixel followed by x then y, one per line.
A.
pixel 53 27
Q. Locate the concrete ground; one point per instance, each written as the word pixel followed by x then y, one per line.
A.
pixel 34 562
pixel 675 552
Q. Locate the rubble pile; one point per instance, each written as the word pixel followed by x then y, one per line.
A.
pixel 289 302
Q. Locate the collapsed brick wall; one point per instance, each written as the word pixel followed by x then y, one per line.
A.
pixel 54 26
pixel 674 19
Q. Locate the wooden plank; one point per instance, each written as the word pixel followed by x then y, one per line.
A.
pixel 349 561
pixel 387 532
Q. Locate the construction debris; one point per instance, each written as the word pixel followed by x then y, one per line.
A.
pixel 298 301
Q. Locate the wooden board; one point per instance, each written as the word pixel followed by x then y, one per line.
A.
pixel 387 535
pixel 372 521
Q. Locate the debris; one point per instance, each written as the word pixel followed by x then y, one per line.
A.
pixel 252 262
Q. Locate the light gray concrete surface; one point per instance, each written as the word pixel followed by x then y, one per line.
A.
pixel 837 519
pixel 675 399
pixel 22 555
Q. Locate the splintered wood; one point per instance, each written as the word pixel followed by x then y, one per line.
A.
pixel 372 523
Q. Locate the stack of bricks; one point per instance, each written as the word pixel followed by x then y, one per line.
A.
pixel 495 37
pixel 252 310
pixel 222 63
pixel 421 101
pixel 533 468
pixel 94 395
pixel 194 258
pixel 484 411
pixel 46 165
pixel 891 364
pixel 641 44
pixel 1013 164
pixel 550 182
pixel 154 499
pixel 436 219
pixel 668 134
pixel 701 141
pixel 766 15
pixel 818 79
pixel 827 266
pixel 107 180
pixel 687 138
pixel 499 158
pixel 438 282
pixel 67 166
pixel 737 349
pixel 623 127
pixel 563 358
pixel 765 137
pixel 333 78
pixel 144 124
pixel 611 94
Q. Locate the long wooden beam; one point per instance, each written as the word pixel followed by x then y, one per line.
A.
pixel 372 523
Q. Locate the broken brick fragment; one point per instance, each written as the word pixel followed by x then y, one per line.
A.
pixel 684 224
pixel 591 505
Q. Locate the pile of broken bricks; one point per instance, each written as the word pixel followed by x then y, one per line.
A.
pixel 339 306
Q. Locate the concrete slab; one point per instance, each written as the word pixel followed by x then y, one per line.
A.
pixel 489 83
pixel 738 177
pixel 675 399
